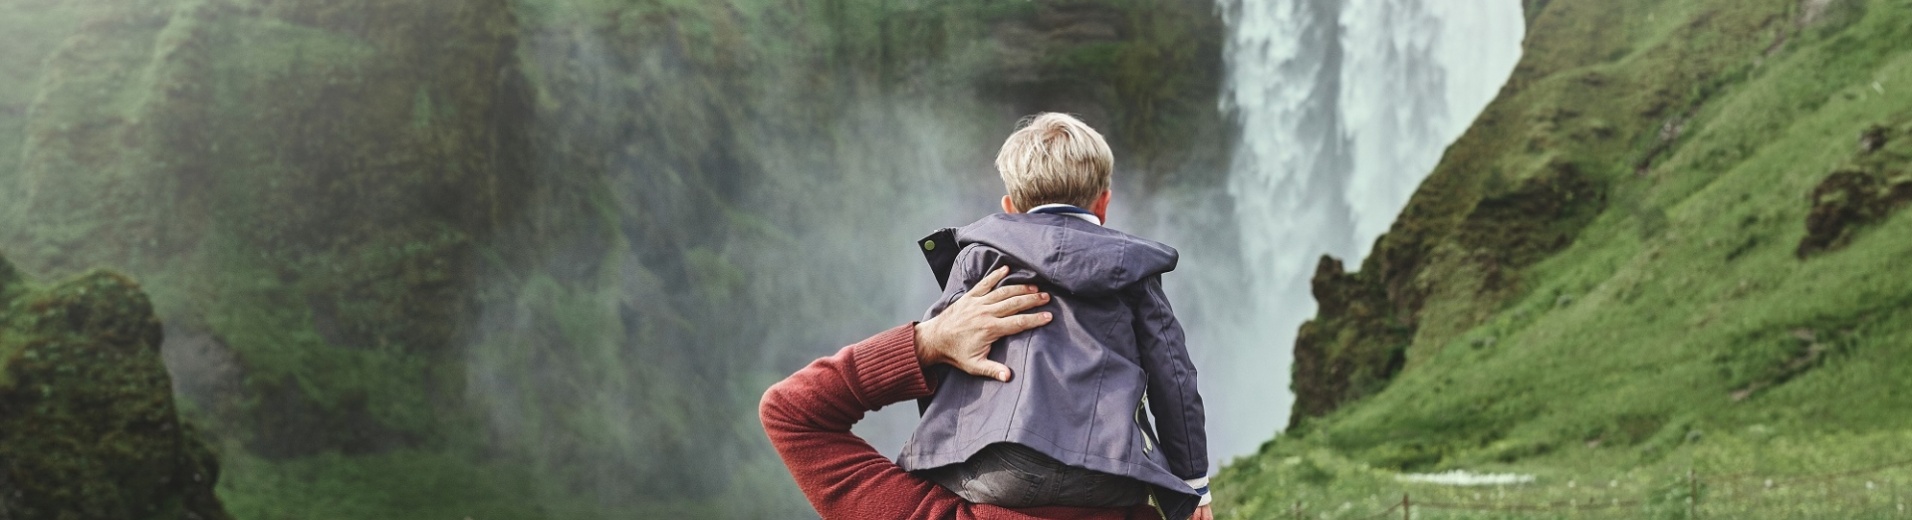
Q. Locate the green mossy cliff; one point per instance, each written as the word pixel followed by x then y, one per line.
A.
pixel 306 251
pixel 1674 241
pixel 1587 114
pixel 88 429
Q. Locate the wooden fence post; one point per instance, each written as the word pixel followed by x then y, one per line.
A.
pixel 1407 508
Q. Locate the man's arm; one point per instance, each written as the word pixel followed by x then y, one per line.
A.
pixel 1173 398
pixel 808 416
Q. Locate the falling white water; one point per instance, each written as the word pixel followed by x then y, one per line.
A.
pixel 1344 106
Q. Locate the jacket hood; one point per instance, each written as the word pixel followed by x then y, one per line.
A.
pixel 1073 254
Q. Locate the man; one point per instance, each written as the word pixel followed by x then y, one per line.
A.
pixel 808 415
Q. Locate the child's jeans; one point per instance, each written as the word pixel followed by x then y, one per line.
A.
pixel 1013 475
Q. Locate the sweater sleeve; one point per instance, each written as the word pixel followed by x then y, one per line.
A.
pixel 808 418
pixel 1173 398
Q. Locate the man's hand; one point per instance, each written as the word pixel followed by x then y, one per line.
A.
pixel 1203 513
pixel 962 334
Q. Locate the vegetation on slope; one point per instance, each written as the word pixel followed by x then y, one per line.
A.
pixel 1672 242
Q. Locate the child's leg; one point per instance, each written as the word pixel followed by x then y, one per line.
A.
pixel 1012 475
pixel 993 476
pixel 1072 486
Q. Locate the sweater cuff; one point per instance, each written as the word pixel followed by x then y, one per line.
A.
pixel 886 367
pixel 1201 488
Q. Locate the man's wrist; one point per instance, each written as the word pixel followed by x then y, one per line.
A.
pixel 885 369
pixel 925 357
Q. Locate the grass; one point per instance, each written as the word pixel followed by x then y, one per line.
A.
pixel 1679 329
pixel 1831 475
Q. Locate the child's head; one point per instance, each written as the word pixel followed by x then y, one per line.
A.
pixel 1055 159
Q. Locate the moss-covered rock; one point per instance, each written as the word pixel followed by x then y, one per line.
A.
pixel 1332 366
pixel 88 429
pixel 1876 183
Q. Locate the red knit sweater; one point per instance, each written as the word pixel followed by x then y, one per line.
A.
pixel 808 418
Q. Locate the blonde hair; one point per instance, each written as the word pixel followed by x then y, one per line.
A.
pixel 1054 159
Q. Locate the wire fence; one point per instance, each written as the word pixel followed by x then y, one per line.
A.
pixel 1854 493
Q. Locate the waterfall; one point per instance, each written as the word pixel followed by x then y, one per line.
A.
pixel 1344 106
pixel 666 209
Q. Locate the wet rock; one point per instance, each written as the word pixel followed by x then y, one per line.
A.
pixel 1873 139
pixel 1023 44
pixel 1544 214
pixel 1847 201
pixel 1333 367
pixel 1134 70
pixel 1366 320
pixel 88 427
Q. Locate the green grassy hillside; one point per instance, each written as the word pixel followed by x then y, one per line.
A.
pixel 1673 242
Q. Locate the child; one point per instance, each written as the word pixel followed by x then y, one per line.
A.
pixel 1064 425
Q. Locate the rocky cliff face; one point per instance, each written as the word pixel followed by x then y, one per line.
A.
pixel 392 151
pixel 1536 168
pixel 1368 320
pixel 1146 72
pixel 88 426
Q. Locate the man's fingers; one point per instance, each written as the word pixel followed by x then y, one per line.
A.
pixel 987 368
pixel 1007 292
pixel 988 283
pixel 1017 304
pixel 1013 324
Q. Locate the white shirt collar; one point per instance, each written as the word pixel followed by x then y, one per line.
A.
pixel 1081 215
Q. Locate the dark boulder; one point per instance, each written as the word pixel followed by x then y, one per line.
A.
pixel 88 426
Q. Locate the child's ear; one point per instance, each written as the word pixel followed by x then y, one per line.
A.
pixel 1101 206
pixel 1008 206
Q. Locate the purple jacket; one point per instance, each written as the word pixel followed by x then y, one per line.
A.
pixel 1079 384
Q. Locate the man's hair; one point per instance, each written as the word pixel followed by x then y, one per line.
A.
pixel 1054 159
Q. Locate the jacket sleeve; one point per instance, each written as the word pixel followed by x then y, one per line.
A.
pixel 1173 399
pixel 808 418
